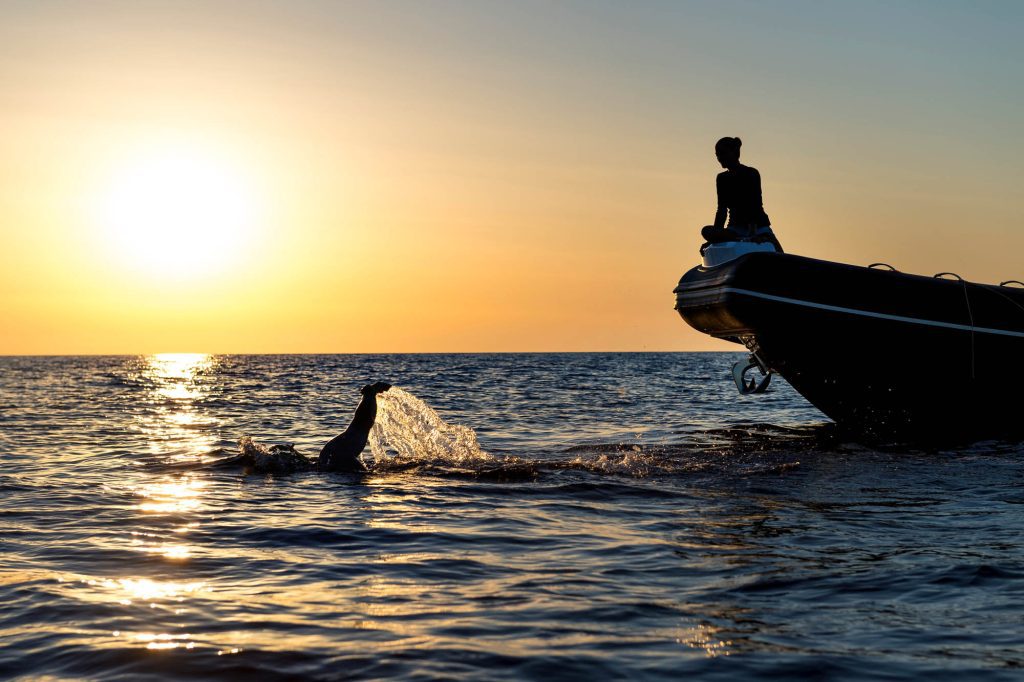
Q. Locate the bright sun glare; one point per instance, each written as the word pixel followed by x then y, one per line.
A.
pixel 178 212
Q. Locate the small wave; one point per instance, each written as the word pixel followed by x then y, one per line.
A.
pixel 633 462
pixel 255 457
pixel 680 461
pixel 409 437
pixel 9 484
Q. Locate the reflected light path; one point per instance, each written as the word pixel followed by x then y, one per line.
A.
pixel 171 419
pixel 705 637
pixel 173 496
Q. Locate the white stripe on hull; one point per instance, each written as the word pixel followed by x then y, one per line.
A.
pixel 852 311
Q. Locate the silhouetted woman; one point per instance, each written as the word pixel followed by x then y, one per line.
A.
pixel 739 198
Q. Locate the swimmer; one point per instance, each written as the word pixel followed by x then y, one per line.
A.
pixel 342 452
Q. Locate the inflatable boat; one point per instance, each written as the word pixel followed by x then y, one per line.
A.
pixel 885 353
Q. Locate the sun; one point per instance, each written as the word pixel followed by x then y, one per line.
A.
pixel 178 212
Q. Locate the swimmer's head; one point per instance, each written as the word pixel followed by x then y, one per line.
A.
pixel 727 150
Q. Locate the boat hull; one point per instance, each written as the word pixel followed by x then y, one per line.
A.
pixel 883 353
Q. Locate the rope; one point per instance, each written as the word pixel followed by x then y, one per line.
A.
pixel 970 313
pixel 1002 295
pixel 970 316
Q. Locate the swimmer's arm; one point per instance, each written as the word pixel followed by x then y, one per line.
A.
pixel 366 413
pixel 722 212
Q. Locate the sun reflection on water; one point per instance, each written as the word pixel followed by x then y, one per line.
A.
pixel 154 610
pixel 145 589
pixel 178 365
pixel 153 594
pixel 169 550
pixel 175 496
pixel 705 637
pixel 172 419
pixel 156 641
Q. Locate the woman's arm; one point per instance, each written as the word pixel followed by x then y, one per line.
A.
pixel 723 211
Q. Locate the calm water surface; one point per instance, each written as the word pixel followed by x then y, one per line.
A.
pixel 635 519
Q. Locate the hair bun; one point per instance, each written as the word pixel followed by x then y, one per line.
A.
pixel 728 143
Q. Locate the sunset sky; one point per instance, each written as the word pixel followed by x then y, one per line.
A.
pixel 476 176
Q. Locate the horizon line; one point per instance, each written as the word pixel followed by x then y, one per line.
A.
pixel 512 352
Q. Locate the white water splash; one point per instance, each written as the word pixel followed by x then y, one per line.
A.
pixel 272 459
pixel 633 463
pixel 408 430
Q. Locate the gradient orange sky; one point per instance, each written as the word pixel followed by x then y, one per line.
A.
pixel 476 176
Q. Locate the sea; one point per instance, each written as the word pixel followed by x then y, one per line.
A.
pixel 608 516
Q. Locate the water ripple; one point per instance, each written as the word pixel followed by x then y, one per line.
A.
pixel 617 516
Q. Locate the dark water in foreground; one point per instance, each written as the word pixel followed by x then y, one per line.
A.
pixel 655 524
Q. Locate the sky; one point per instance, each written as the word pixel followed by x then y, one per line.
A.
pixel 433 176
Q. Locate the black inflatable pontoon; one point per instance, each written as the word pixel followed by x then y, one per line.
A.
pixel 882 352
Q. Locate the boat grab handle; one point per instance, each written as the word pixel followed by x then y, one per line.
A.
pixel 942 275
pixel 883 265
pixel 1011 281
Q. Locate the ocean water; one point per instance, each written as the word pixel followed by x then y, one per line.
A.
pixel 526 517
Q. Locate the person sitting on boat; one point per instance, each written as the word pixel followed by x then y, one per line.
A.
pixel 739 199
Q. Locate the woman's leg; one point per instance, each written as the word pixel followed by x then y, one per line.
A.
pixel 717 235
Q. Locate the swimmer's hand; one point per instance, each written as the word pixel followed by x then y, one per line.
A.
pixel 374 389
